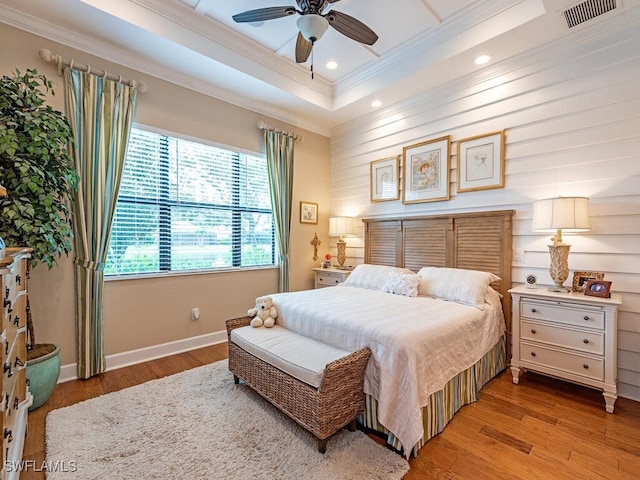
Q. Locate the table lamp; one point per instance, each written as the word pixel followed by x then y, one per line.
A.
pixel 339 227
pixel 570 214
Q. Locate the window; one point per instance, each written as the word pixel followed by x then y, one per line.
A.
pixel 189 206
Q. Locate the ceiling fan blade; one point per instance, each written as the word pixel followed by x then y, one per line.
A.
pixel 262 14
pixel 352 28
pixel 303 48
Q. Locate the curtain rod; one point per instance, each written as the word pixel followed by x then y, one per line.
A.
pixel 265 126
pixel 47 56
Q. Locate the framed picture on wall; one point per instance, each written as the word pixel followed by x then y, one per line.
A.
pixel 384 179
pixel 308 212
pixel 480 162
pixel 425 173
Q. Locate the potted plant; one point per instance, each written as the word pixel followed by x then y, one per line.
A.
pixel 38 174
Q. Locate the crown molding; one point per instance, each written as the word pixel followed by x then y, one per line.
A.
pixel 536 59
pixel 413 56
pixel 179 13
pixel 91 46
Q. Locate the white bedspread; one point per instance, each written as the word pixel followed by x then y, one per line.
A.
pixel 418 344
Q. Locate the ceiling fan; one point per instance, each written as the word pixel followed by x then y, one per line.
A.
pixel 312 24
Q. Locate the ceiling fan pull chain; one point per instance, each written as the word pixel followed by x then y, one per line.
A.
pixel 312 44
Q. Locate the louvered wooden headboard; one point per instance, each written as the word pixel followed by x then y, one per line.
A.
pixel 475 241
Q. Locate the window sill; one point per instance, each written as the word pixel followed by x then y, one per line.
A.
pixel 143 276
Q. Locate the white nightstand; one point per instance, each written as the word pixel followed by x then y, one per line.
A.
pixel 329 277
pixel 571 336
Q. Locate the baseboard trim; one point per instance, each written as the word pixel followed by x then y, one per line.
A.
pixel 124 359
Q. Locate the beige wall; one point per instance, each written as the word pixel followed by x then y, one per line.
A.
pixel 147 312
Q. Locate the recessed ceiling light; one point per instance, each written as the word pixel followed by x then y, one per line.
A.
pixel 482 59
pixel 332 65
pixel 376 103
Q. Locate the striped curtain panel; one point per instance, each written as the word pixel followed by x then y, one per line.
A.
pixel 100 112
pixel 280 147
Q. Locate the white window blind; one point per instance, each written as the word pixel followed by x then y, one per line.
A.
pixel 189 206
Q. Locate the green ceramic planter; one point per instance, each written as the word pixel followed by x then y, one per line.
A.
pixel 42 375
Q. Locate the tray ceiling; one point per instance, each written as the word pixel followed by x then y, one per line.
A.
pixel 196 43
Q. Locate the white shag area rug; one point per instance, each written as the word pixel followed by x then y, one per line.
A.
pixel 199 425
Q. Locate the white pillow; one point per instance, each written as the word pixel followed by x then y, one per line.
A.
pixel 456 285
pixel 402 284
pixel 372 277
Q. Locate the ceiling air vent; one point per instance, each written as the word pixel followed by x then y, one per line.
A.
pixel 588 10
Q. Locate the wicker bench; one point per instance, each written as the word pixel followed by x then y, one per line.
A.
pixel 336 401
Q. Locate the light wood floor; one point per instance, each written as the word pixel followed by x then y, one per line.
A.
pixel 539 429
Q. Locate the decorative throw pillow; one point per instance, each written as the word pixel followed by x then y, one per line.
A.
pixel 372 277
pixel 468 287
pixel 402 284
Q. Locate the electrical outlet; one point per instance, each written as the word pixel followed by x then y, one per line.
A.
pixel 195 313
pixel 518 255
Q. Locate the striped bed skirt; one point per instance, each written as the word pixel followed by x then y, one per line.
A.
pixel 462 389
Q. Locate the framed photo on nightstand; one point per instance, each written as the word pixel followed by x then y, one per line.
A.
pixel 580 279
pixel 598 288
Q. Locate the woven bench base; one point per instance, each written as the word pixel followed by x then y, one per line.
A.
pixel 336 403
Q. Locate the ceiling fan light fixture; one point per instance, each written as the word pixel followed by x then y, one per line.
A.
pixel 312 26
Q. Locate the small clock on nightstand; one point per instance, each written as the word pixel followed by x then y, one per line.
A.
pixel 531 281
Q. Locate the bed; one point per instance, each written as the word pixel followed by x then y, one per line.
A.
pixel 431 302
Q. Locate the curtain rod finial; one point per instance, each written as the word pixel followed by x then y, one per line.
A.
pixel 46 55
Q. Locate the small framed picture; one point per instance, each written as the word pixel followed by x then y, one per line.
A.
pixel 426 171
pixel 598 288
pixel 384 179
pixel 308 212
pixel 480 162
pixel 580 279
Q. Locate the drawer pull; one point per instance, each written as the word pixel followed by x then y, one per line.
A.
pixel 533 310
pixel 586 340
pixel 18 363
pixel 533 330
pixel 7 370
pixel 585 366
pixel 533 354
pixel 8 435
pixel 6 302
pixel 16 403
pixel 16 321
pixel 337 282
pixel 18 279
pixel 586 317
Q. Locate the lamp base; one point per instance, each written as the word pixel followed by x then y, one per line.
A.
pixel 342 246
pixel 558 288
pixel 559 268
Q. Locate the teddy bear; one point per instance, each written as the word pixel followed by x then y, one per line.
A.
pixel 264 313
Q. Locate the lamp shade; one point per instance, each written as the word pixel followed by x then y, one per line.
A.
pixel 312 26
pixel 569 214
pixel 339 226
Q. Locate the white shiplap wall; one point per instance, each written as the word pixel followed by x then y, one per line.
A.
pixel 571 114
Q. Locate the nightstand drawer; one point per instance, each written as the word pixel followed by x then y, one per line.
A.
pixel 582 365
pixel 571 314
pixel 590 342
pixel 329 279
